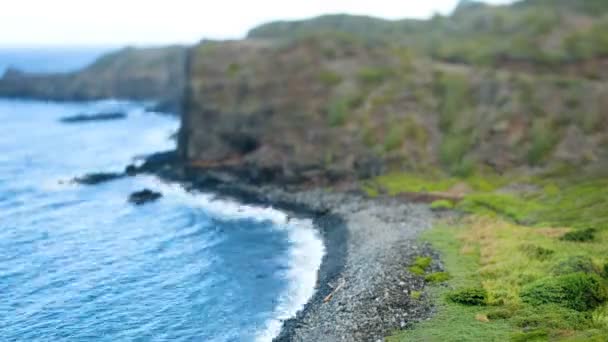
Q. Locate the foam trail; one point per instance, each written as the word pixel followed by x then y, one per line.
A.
pixel 305 254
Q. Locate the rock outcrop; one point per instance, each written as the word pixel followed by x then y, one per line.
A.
pixel 155 74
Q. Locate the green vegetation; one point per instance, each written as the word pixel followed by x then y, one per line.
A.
pixel 529 262
pixel 373 76
pixel 544 139
pixel 469 296
pixel 420 265
pixel 537 252
pixel 524 295
pixel 330 78
pixel 437 277
pixel 453 154
pixel 575 264
pixel 416 295
pixel 394 138
pixel 454 92
pixel 338 112
pixel 233 69
pixel 454 322
pixel 583 235
pixel 442 205
pixel 588 43
pixel 577 291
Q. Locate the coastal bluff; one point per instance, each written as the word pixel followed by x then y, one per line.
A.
pixel 131 73
pixel 319 109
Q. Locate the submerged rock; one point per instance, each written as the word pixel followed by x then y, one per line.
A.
pixel 94 117
pixel 97 178
pixel 144 196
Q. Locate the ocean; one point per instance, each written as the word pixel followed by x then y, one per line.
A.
pixel 79 263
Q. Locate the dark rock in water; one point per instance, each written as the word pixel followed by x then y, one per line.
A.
pixel 157 161
pixel 131 170
pixel 94 117
pixel 144 196
pixel 97 178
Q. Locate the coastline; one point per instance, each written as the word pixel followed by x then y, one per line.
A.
pixel 363 291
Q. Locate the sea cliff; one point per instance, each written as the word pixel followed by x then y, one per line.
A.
pixel 142 74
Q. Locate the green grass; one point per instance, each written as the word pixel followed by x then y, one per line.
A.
pixel 403 182
pixel 431 181
pixel 539 255
pixel 493 254
pixel 454 322
pixel 574 204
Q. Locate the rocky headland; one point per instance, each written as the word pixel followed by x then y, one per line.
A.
pixel 141 74
pixel 499 113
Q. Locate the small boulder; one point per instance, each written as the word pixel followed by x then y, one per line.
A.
pixel 144 196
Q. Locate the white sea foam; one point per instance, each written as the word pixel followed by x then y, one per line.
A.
pixel 305 253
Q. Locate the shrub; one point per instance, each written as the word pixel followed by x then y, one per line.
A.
pixel 575 264
pixel 582 235
pixel 537 252
pixel 442 205
pixel 338 111
pixel 453 149
pixel 577 291
pixel 606 270
pixel 394 139
pixel 544 138
pixel 373 76
pixel 550 316
pixel 233 69
pixel 330 78
pixel 500 313
pixel 455 94
pixel 469 296
pixel 437 277
pixel 420 265
pixel 416 295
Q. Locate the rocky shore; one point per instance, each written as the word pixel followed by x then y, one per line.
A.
pixel 371 295
pixel 364 290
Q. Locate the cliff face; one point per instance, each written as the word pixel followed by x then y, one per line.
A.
pixel 136 74
pixel 278 110
pixel 498 88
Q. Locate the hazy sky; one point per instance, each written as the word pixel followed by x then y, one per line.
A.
pixel 144 22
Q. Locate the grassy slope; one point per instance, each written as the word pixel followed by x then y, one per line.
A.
pixel 511 239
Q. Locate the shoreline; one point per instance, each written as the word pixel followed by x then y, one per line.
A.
pixel 363 291
pixel 331 227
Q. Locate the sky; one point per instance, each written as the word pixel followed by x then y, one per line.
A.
pixel 157 22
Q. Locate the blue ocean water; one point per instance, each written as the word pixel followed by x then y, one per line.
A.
pixel 78 263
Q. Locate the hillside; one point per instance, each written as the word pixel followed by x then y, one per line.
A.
pixel 137 74
pixel 350 97
pixel 546 34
